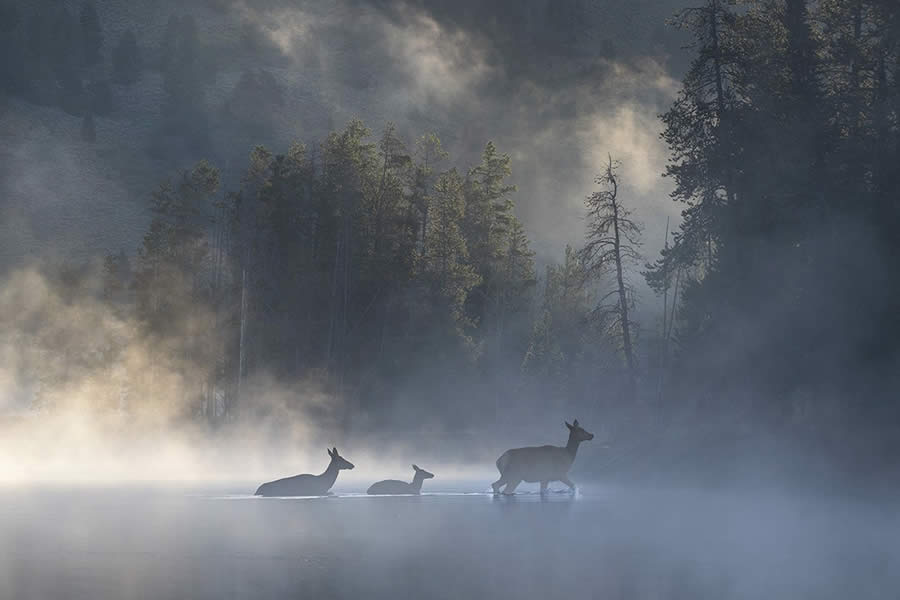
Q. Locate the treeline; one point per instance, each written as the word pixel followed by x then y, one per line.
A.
pixel 377 267
pixel 369 264
pixel 784 149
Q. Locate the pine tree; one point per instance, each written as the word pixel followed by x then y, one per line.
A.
pixel 282 271
pixel 428 156
pixel 488 220
pixel 347 162
pixel 557 334
pixel 443 264
pixel 173 258
pixel 700 129
pixel 786 182
pixel 567 355
pixel 612 242
pixel 382 199
pixel 515 280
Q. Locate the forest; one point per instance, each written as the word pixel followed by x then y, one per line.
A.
pixel 399 282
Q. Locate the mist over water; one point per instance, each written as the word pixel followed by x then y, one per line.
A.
pixel 608 542
pixel 82 514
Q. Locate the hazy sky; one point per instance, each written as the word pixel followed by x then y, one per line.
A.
pixel 557 85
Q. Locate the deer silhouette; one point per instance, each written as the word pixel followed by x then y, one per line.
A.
pixel 540 463
pixel 394 486
pixel 307 485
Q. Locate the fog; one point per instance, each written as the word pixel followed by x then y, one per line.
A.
pixel 608 542
pixel 237 234
pixel 137 502
pixel 87 397
pixel 547 97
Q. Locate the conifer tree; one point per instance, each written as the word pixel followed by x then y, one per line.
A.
pixel 612 242
pixel 429 154
pixel 443 265
pixel 487 224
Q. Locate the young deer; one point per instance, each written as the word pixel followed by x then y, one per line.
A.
pixel 307 485
pixel 540 463
pixel 393 486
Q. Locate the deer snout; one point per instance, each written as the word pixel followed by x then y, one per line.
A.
pixel 590 436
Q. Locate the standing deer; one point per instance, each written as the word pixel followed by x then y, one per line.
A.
pixel 307 485
pixel 393 486
pixel 540 463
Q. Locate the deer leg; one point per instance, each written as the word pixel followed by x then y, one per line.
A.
pixel 569 483
pixel 510 488
pixel 496 485
pixel 544 487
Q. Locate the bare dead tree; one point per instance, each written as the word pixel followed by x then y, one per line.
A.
pixel 612 242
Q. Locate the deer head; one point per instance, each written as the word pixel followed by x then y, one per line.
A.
pixel 577 434
pixel 339 461
pixel 422 473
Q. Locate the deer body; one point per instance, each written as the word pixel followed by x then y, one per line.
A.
pixel 540 463
pixel 395 486
pixel 307 485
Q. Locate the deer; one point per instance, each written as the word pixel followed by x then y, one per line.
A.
pixel 307 485
pixel 540 463
pixel 394 486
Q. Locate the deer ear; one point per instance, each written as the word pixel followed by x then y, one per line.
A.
pixel 567 424
pixel 335 450
pixel 416 468
pixel 575 422
pixel 328 450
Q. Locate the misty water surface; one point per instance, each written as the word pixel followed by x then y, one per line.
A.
pixel 177 542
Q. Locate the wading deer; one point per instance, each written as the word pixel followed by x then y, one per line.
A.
pixel 540 463
pixel 393 486
pixel 307 485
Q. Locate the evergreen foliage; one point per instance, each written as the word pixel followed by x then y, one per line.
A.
pixel 784 145
pixel 353 258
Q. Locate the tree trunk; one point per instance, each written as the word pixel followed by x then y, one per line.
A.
pixel 664 342
pixel 241 343
pixel 623 300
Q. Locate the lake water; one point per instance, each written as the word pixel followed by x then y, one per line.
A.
pixel 160 542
